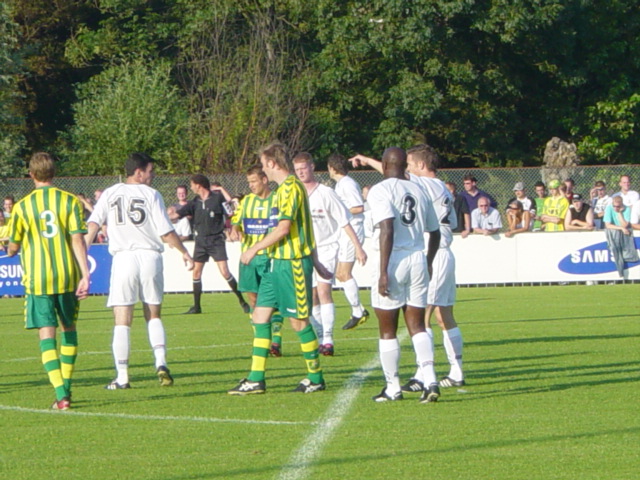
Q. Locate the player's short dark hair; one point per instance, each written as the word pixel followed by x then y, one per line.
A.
pixel 427 154
pixel 539 184
pixel 201 180
pixel 256 170
pixel 339 163
pixel 137 161
pixel 470 177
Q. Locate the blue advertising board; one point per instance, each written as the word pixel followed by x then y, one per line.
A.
pixel 99 265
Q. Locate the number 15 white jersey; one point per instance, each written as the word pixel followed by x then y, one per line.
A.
pixel 135 216
pixel 409 206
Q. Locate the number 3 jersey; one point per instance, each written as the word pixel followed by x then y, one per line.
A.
pixel 410 208
pixel 42 224
pixel 135 216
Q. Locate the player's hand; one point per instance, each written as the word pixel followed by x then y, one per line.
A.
pixel 247 256
pixel 323 271
pixel 361 256
pixel 383 285
pixel 82 291
pixel 188 261
pixel 358 160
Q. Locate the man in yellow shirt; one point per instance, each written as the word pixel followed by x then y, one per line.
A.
pixel 555 208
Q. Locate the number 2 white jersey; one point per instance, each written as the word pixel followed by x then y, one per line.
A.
pixel 135 215
pixel 442 204
pixel 409 206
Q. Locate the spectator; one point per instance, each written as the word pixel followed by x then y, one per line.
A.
pixel 617 220
pixel 629 197
pixel 485 219
pixel 541 195
pixel 554 209
pixel 528 205
pixel 579 216
pixel 599 202
pixel 518 218
pixel 635 216
pixel 461 210
pixel 7 205
pixel 472 193
pixel 570 186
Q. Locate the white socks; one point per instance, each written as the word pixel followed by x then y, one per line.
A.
pixel 328 314
pixel 390 360
pixel 158 341
pixel 452 340
pixel 423 346
pixel 120 346
pixel 316 322
pixel 351 292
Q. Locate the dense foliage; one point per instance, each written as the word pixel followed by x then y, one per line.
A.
pixel 487 82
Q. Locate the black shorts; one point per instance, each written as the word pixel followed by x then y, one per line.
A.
pixel 211 246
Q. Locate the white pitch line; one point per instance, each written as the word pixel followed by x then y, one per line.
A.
pixel 128 416
pixel 299 465
pixel 198 347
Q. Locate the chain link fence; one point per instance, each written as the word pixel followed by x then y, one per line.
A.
pixel 498 182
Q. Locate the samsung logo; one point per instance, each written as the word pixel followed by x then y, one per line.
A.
pixel 593 259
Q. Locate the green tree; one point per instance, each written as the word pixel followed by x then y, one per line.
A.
pixel 11 124
pixel 129 107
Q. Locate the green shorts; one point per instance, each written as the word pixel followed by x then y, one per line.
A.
pixel 287 287
pixel 44 310
pixel 251 275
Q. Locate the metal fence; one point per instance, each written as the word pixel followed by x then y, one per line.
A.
pixel 498 182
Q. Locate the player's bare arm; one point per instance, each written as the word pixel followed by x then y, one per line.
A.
pixel 174 241
pixel 361 160
pixel 80 253
pixel 361 255
pixel 277 234
pixel 92 231
pixel 386 246
pixel 12 249
pixel 432 248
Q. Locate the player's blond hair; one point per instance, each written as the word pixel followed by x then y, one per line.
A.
pixel 42 167
pixel 276 152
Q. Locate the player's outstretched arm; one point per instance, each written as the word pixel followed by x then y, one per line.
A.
pixel 358 160
pixel 174 241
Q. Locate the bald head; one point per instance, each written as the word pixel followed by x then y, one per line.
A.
pixel 394 162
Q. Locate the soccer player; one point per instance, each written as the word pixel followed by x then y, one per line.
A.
pixel 251 222
pixel 330 220
pixel 287 284
pixel 137 220
pixel 208 213
pixel 402 212
pixel 48 227
pixel 350 194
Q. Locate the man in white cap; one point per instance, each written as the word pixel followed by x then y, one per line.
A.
pixel 528 205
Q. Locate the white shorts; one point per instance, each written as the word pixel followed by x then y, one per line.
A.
pixel 442 286
pixel 136 275
pixel 408 279
pixel 328 256
pixel 347 251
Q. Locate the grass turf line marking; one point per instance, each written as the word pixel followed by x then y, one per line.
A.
pixel 197 347
pixel 298 466
pixel 129 416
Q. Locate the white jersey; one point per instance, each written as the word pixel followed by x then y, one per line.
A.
pixel 442 204
pixel 328 213
pixel 410 208
pixel 350 194
pixel 629 198
pixel 135 216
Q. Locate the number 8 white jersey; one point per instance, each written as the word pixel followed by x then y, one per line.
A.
pixel 409 206
pixel 135 215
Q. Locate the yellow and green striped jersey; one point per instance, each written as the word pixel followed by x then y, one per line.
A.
pixel 42 224
pixel 292 203
pixel 254 218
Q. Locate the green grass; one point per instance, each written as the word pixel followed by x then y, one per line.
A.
pixel 552 394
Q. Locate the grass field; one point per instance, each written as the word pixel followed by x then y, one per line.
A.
pixel 553 385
